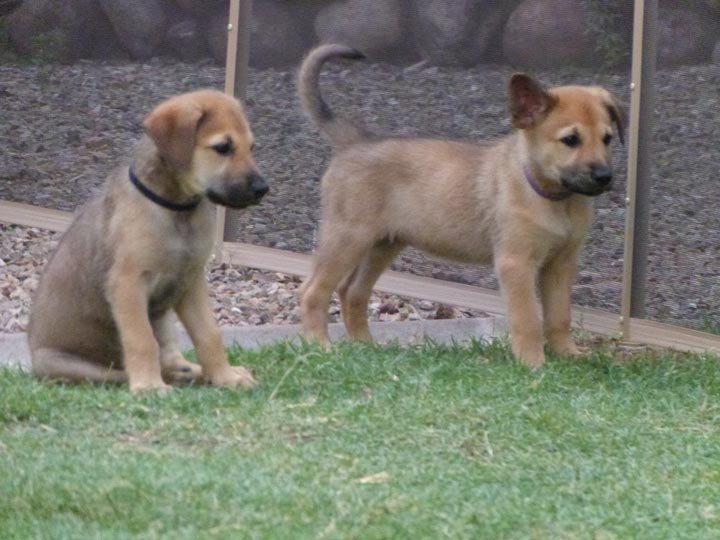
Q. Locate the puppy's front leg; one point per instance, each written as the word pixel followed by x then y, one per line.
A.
pixel 556 280
pixel 517 281
pixel 175 368
pixel 128 297
pixel 197 317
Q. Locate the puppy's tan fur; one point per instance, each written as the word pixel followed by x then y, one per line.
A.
pixel 463 201
pixel 104 307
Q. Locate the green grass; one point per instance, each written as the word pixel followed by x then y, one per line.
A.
pixel 373 443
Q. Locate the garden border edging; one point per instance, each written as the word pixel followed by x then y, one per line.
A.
pixel 14 350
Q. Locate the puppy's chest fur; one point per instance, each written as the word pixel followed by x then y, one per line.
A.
pixel 183 245
pixel 563 225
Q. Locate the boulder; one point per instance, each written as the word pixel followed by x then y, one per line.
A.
pixel 457 32
pixel 280 33
pixel 216 35
pixel 62 31
pixel 140 25
pixel 200 8
pixel 8 6
pixel 685 36
pixel 549 33
pixel 377 29
pixel 186 41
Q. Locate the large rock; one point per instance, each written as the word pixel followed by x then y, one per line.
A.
pixel 685 36
pixel 62 31
pixel 457 32
pixel 200 8
pixel 377 29
pixel 280 33
pixel 186 40
pixel 549 33
pixel 140 25
pixel 216 34
pixel 8 6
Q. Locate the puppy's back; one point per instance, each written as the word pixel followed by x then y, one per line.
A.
pixel 70 311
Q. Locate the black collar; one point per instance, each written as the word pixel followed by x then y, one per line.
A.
pixel 157 199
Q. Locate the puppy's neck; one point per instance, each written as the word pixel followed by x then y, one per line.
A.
pixel 157 175
pixel 532 175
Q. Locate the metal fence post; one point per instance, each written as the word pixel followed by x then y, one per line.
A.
pixel 236 68
pixel 639 162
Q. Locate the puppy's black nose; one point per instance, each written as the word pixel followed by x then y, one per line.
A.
pixel 601 174
pixel 258 185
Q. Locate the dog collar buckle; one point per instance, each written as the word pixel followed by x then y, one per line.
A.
pixel 157 199
pixel 560 196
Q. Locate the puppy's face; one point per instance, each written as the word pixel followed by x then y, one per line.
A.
pixel 569 131
pixel 205 139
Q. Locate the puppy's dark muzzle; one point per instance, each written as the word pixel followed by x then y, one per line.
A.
pixel 592 183
pixel 258 186
pixel 601 175
pixel 248 193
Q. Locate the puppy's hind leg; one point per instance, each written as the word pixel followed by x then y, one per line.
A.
pixel 56 365
pixel 355 290
pixel 339 252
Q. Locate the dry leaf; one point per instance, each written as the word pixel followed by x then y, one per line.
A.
pixel 377 478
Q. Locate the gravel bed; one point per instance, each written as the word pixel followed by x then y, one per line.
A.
pixel 241 296
pixel 63 128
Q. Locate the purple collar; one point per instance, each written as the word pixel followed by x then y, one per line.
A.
pixel 561 196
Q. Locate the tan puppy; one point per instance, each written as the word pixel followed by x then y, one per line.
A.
pixel 522 203
pixel 136 253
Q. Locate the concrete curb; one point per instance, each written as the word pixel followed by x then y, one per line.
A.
pixel 14 350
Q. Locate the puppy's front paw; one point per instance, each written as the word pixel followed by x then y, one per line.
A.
pixel 567 348
pixel 232 377
pixel 533 363
pixel 532 357
pixel 572 350
pixel 321 341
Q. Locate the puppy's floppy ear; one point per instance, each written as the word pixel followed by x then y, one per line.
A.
pixel 173 127
pixel 618 114
pixel 529 101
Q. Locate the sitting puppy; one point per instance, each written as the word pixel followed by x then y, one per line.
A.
pixel 136 253
pixel 522 203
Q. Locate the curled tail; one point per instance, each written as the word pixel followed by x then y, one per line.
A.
pixel 340 131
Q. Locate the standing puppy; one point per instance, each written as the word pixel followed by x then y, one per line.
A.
pixel 136 253
pixel 522 203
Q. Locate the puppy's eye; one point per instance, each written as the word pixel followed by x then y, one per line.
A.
pixel 606 139
pixel 252 147
pixel 571 141
pixel 223 148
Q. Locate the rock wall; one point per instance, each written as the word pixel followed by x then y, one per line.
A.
pixel 523 33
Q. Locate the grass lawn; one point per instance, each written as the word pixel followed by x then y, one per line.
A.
pixel 369 443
